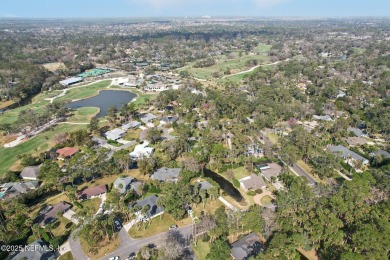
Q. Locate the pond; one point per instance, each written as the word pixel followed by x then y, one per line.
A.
pixel 226 186
pixel 104 100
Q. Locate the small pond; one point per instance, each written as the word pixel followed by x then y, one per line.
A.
pixel 226 186
pixel 104 100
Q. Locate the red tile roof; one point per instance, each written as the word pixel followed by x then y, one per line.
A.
pixel 67 151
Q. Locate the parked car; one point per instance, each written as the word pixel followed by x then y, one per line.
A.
pixel 117 224
pixel 115 258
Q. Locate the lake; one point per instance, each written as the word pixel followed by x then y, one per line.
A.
pixel 104 100
pixel 226 186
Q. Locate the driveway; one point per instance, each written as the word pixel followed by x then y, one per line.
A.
pixel 75 246
pixel 257 198
pixel 298 170
pixel 133 245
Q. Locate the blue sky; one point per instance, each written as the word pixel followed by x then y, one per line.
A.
pixel 143 8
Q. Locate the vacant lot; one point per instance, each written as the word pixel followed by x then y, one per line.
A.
pixel 42 142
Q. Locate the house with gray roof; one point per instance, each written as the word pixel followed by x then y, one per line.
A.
pixel 131 124
pixel 151 203
pixel 146 118
pixel 166 174
pixel 124 184
pixel 44 252
pixel 252 182
pixel 357 132
pixel 347 154
pixel 323 118
pixel 49 214
pixel 205 185
pixel 168 120
pixel 272 170
pixel 30 173
pixel 246 247
pixel 13 189
pixel 382 153
pixel 115 134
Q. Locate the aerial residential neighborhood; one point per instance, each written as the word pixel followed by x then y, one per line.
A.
pixel 192 136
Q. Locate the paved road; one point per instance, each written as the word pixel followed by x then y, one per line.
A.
pixel 75 246
pixel 129 245
pixel 297 169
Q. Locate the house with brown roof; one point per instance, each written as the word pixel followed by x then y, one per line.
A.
pixel 92 192
pixel 49 214
pixel 66 152
pixel 252 182
pixel 30 173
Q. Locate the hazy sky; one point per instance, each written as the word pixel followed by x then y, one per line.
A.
pixel 132 8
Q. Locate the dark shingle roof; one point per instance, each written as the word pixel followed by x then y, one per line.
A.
pixel 152 202
pixel 166 174
pixel 39 251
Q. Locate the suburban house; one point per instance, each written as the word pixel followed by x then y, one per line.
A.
pixel 92 192
pixel 166 174
pixel 347 154
pixel 66 152
pixel 114 134
pixel 149 202
pixel 131 124
pixel 357 132
pixel 252 182
pixel 168 120
pixel 30 173
pixel 146 118
pixel 204 185
pixel 49 214
pixel 246 247
pixel 13 189
pixel 141 150
pixel 382 153
pixel 124 184
pixel 156 87
pixel 44 252
pixel 254 150
pixel 272 170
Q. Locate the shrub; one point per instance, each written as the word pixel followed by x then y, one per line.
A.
pixel 251 193
pixel 236 183
pixel 259 191
pixel 206 238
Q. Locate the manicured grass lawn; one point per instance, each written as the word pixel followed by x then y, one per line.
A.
pixel 156 226
pixel 66 256
pixel 210 207
pixel 266 200
pixel 201 249
pixel 84 114
pixel 141 98
pixel 61 226
pixel 10 116
pixel 42 142
pixel 85 92
pixel 132 134
pixel 107 247
pixel 240 172
pixel 91 203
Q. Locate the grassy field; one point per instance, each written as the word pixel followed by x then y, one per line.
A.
pixel 85 92
pixel 84 114
pixel 34 146
pixel 54 66
pixel 240 173
pixel 61 226
pixel 66 256
pixel 266 200
pixel 201 249
pixel 235 64
pixel 141 98
pixel 263 48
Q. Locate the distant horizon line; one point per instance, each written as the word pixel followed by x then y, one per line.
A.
pixel 206 17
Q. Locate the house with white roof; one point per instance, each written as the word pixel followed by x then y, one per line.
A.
pixel 142 150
